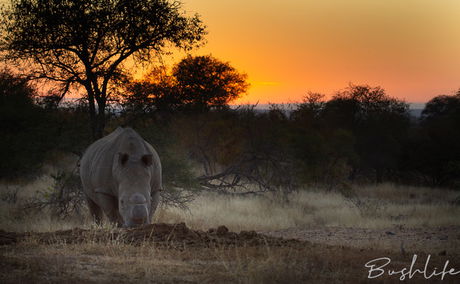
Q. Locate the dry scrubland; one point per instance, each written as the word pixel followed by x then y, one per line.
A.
pixel 377 207
pixel 346 230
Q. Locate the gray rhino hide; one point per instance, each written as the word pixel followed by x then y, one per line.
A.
pixel 121 176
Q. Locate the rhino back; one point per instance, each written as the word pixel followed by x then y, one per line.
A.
pixel 157 183
pixel 99 161
pixel 96 163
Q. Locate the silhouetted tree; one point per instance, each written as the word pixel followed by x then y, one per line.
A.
pixel 378 123
pixel 323 152
pixel 307 114
pixel 206 82
pixel 157 92
pixel 24 137
pixel 434 150
pixel 240 151
pixel 441 107
pixel 16 99
pixel 196 83
pixel 85 44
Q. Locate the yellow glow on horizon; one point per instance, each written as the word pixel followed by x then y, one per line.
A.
pixel 262 83
pixel 287 48
pixel 408 47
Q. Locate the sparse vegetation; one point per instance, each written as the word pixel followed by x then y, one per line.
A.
pixel 379 207
pixel 115 262
pixel 349 178
pixel 102 254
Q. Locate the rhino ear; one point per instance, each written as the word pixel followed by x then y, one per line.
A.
pixel 122 158
pixel 147 159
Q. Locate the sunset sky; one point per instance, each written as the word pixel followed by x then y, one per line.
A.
pixel 409 47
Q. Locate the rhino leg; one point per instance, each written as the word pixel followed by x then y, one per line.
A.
pixel 109 205
pixel 154 204
pixel 114 217
pixel 95 211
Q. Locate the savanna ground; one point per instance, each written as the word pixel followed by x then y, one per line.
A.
pixel 335 233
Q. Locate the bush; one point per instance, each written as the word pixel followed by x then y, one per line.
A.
pixel 24 128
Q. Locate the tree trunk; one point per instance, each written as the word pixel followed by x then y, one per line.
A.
pixel 92 114
pixel 100 120
pixel 99 126
pixel 97 118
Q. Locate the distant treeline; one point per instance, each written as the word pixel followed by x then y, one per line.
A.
pixel 360 135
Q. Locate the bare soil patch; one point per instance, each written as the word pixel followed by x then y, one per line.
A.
pixel 433 240
pixel 174 253
pixel 165 235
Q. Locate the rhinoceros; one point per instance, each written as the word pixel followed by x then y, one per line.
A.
pixel 121 176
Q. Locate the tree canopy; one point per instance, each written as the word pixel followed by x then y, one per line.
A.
pixel 86 44
pixel 23 130
pixel 198 83
pixel 435 150
pixel 207 82
pixel 370 125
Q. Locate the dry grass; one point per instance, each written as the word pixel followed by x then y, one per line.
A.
pixel 379 206
pixel 14 216
pixel 115 261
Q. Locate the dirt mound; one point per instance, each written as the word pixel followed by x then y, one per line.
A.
pixel 169 235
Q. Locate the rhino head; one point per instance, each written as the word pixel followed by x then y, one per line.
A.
pixel 134 189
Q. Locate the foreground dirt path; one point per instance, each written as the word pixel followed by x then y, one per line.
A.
pixel 173 253
pixel 441 240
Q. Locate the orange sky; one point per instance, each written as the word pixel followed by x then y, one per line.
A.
pixel 409 47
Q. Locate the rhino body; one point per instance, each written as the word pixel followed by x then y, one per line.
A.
pixel 121 176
